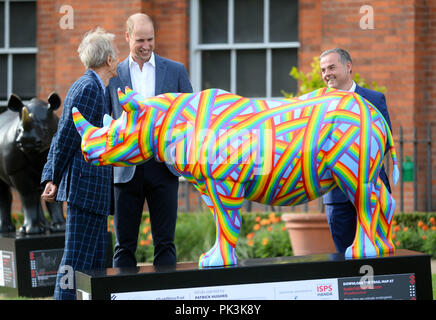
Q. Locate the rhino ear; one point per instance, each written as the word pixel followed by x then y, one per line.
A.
pixel 54 101
pixel 107 120
pixel 15 103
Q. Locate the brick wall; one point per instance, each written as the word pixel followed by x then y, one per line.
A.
pixel 425 90
pixel 399 53
pixel 172 28
pixel 58 64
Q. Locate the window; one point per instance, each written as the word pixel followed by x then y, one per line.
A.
pixel 246 47
pixel 17 49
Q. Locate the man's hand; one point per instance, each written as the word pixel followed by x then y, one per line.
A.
pixel 50 192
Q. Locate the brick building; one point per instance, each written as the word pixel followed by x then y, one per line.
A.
pixel 245 46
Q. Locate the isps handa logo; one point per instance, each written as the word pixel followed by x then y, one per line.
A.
pixel 324 290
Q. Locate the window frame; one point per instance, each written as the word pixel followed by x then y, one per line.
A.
pixel 196 47
pixel 11 51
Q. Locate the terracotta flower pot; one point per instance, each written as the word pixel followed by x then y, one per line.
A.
pixel 309 233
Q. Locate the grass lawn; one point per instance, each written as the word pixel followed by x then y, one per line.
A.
pixel 433 278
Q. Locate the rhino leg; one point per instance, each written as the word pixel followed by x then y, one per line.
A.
pixel 384 232
pixel 227 217
pixel 373 232
pixel 6 225
pixel 29 192
pixel 34 221
pixel 55 210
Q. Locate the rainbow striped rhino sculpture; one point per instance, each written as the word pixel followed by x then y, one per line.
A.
pixel 279 152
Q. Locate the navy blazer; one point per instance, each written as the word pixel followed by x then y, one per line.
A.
pixel 79 183
pixel 170 76
pixel 379 101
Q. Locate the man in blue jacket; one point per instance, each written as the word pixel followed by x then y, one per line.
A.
pixel 336 70
pixel 68 177
pixel 148 74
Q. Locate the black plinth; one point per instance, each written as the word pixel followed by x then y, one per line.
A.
pixel 403 275
pixel 29 263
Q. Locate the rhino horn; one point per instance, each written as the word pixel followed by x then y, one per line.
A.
pixel 82 125
pixel 107 120
pixel 26 118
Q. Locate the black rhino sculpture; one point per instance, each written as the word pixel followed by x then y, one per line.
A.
pixel 26 132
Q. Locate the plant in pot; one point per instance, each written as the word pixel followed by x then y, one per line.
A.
pixel 309 233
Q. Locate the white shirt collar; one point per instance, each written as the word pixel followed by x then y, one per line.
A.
pixel 353 87
pixel 151 61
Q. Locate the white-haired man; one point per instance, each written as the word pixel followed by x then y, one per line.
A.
pixel 66 175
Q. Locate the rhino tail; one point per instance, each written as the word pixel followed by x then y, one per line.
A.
pixel 396 171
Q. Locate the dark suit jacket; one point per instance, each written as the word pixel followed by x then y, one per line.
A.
pixel 379 101
pixel 79 183
pixel 171 76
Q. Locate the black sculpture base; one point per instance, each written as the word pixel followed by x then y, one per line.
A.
pixel 29 263
pixel 403 275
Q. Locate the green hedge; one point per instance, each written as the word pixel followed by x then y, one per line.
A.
pixel 416 232
pixel 263 235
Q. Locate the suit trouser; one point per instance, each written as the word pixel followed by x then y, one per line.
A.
pixel 85 248
pixel 155 183
pixel 342 219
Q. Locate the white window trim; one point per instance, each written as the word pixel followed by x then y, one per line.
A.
pixel 7 50
pixel 196 48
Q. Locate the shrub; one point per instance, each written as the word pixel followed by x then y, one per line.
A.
pixel 263 235
pixel 415 231
pixel 195 234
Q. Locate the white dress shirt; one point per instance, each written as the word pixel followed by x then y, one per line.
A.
pixel 143 80
pixel 353 87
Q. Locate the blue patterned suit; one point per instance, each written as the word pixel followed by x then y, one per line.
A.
pixel 341 213
pixel 86 188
